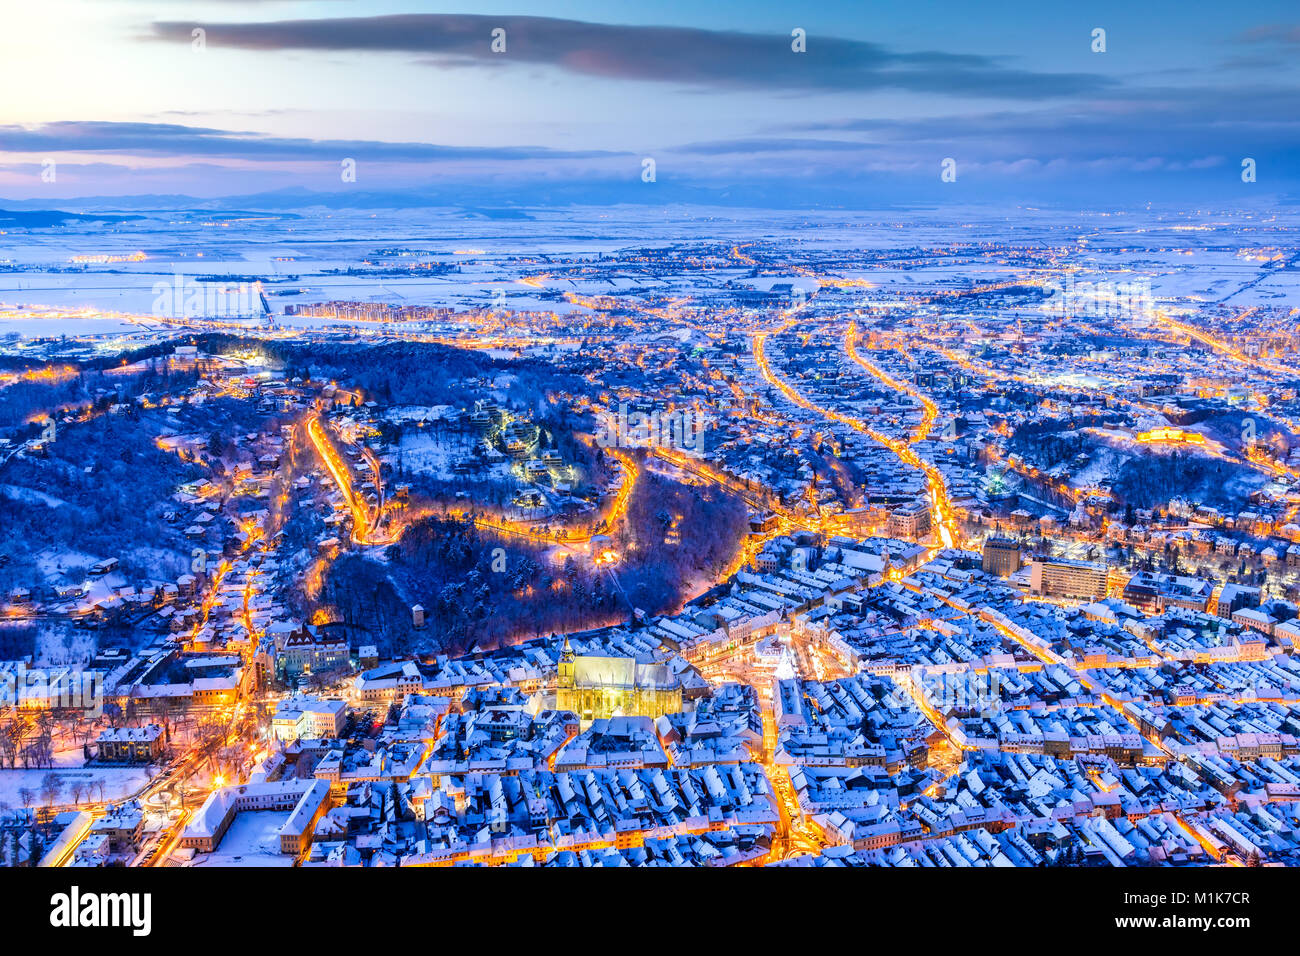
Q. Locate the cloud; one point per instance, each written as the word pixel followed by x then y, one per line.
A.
pixel 682 55
pixel 785 145
pixel 1272 33
pixel 171 139
pixel 1187 123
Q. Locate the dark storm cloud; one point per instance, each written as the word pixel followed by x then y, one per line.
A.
pixel 696 57
pixel 172 139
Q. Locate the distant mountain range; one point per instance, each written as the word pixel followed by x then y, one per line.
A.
pixel 477 201
pixel 45 218
pixel 518 201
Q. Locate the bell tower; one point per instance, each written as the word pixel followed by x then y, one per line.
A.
pixel 565 676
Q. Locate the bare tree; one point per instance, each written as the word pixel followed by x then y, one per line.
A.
pixel 211 739
pixel 113 714
pixel 43 749
pixel 10 735
pixel 51 787
pixel 45 724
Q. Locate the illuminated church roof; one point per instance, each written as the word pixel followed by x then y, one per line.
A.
pixel 623 672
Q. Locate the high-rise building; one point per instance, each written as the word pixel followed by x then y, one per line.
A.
pixel 1001 556
pixel 1058 577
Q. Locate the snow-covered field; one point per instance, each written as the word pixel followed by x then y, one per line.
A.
pixel 303 256
pixel 425 453
pixel 117 783
pixel 54 564
pixel 252 840
pixel 56 646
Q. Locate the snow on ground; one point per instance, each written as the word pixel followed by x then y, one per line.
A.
pixel 60 645
pixel 417 413
pixel 55 564
pixel 1104 466
pixel 426 454
pixel 162 564
pixel 31 496
pixel 119 783
pixel 252 840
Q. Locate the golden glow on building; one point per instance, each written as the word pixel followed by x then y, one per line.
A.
pixel 597 687
pixel 1170 435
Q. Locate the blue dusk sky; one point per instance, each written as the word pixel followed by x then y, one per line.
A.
pixel 275 95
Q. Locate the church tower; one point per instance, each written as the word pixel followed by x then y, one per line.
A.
pixel 565 676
